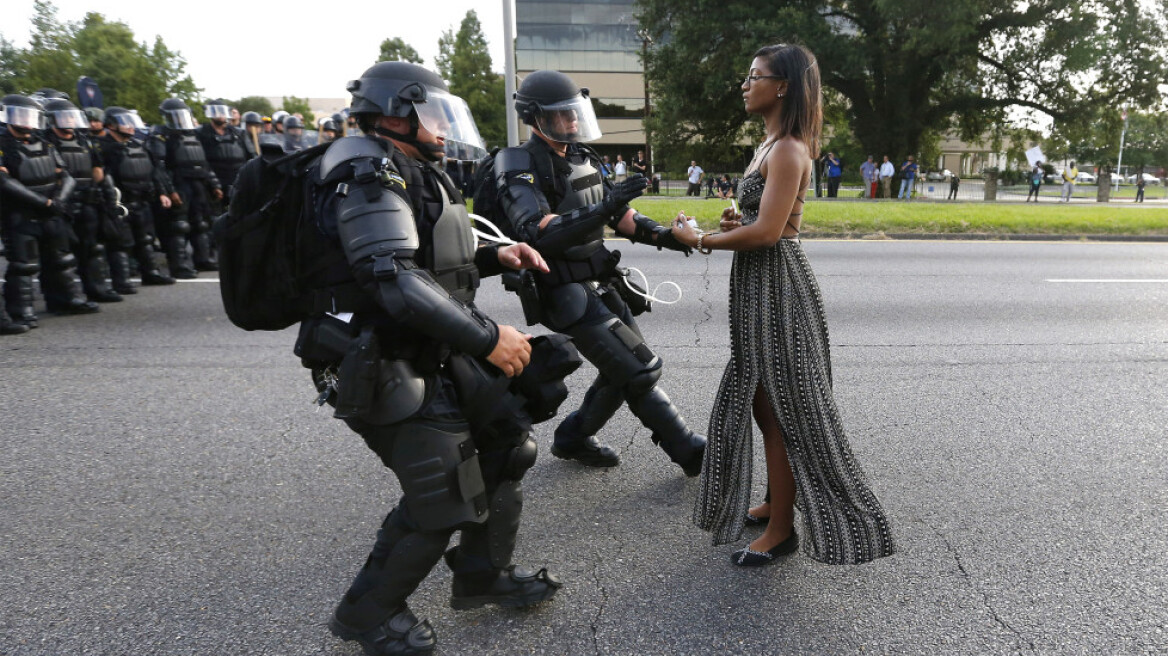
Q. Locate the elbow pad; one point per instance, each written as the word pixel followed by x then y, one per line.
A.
pixel 571 229
pixel 65 190
pixel 16 190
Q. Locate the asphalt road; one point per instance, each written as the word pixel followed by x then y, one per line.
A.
pixel 168 487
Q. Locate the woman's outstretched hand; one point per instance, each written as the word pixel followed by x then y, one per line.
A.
pixel 730 220
pixel 684 232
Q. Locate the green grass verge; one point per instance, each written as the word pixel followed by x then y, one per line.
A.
pixel 869 217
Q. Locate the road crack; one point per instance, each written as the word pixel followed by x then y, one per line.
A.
pixel 706 304
pixel 985 598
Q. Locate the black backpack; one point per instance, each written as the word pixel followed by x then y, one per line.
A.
pixel 486 199
pixel 261 267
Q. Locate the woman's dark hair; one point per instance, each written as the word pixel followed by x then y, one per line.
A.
pixel 802 113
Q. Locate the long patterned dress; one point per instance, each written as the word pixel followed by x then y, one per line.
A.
pixel 778 338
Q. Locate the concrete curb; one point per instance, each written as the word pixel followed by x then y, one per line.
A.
pixel 979 236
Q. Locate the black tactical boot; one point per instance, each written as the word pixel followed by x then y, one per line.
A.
pixel 658 414
pixel 514 586
pixel 156 278
pixel 8 326
pixel 119 264
pixel 74 306
pixel 569 444
pixel 400 635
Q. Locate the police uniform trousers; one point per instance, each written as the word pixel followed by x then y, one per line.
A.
pixel 90 248
pixel 37 243
pixel 190 223
pixel 416 532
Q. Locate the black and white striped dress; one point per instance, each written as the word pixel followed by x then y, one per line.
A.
pixel 778 338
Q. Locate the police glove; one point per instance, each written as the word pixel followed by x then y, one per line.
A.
pixel 623 192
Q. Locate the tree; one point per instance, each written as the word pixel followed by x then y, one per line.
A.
pixel 129 73
pixel 294 105
pixel 465 63
pixel 396 49
pixel 258 104
pixel 906 69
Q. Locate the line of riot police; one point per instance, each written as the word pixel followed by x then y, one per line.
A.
pixel 88 197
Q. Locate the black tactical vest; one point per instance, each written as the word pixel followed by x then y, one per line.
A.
pixel 37 168
pixel 581 188
pixel 185 156
pixel 452 251
pixel 135 173
pixel 225 152
pixel 78 160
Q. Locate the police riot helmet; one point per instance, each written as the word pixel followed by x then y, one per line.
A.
pixel 252 118
pixel 176 115
pixel 124 121
pixel 48 93
pixel 217 109
pixel 64 115
pixel 550 102
pixel 278 117
pixel 293 123
pixel 22 114
pixel 407 90
pixel 328 125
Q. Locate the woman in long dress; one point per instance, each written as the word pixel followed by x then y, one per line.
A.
pixel 780 365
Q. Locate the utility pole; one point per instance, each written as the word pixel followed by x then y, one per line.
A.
pixel 645 41
pixel 509 72
pixel 1122 136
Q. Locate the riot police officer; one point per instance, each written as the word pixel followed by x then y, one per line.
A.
pixel 143 183
pixel 96 118
pixel 189 217
pixel 223 144
pixel 328 130
pixel 253 126
pixel 449 425
pixel 91 207
pixel 555 199
pixel 293 134
pixel 35 187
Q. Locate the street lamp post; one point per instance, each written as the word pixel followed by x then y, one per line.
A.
pixel 1122 136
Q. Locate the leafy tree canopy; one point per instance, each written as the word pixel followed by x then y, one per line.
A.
pixel 909 70
pixel 130 74
pixel 465 63
pixel 258 104
pixel 293 105
pixel 395 49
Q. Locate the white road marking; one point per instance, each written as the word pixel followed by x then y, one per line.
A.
pixel 1109 280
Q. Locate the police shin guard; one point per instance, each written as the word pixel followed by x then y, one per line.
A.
pixel 119 265
pixel 95 274
pixel 178 258
pixel 18 293
pixel 62 286
pixel 575 437
pixel 373 611
pixel 7 325
pixel 658 414
pixel 204 257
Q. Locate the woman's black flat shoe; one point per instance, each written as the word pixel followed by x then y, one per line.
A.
pixel 746 557
pixel 751 520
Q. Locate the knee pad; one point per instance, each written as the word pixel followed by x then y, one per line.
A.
pixel 520 459
pixel 645 380
pixel 615 349
pixel 180 227
pixel 65 260
pixel 97 250
pixel 24 268
pixel 441 481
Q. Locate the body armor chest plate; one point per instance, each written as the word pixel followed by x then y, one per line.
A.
pixel 37 168
pixel 224 150
pixel 187 156
pixel 453 251
pixel 78 161
pixel 135 170
pixel 583 187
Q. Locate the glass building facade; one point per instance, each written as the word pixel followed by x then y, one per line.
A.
pixel 577 36
pixel 596 43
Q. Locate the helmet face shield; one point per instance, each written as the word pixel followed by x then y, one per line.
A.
pixel 448 116
pixel 568 121
pixel 129 120
pixel 70 119
pixel 180 119
pixel 217 111
pixel 28 118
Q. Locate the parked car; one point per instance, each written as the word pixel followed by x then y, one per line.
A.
pixel 943 174
pixel 1085 178
pixel 1116 178
pixel 1148 179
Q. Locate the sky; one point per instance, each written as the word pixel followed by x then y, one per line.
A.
pixel 259 49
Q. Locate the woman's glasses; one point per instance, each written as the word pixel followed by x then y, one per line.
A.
pixel 751 78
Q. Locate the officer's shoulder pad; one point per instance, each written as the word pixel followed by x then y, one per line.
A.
pixel 346 150
pixel 513 159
